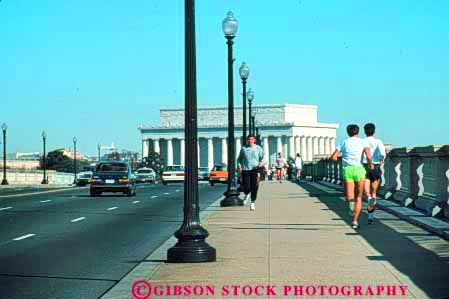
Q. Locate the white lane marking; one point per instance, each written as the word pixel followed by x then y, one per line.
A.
pixel 78 219
pixel 154 196
pixel 24 237
pixel 167 193
pixel 113 208
pixel 44 201
pixel 178 190
pixel 136 201
pixel 7 208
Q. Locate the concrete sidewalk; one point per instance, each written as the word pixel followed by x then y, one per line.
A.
pixel 300 235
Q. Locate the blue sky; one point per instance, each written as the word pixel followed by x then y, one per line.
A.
pixel 98 69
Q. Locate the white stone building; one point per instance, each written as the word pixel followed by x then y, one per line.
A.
pixel 286 128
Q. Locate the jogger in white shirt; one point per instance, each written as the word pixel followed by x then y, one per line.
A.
pixel 373 175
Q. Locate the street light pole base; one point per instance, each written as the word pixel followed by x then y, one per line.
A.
pixel 44 182
pixel 191 246
pixel 5 182
pixel 231 199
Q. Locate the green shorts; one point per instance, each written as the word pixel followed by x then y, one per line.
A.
pixel 353 173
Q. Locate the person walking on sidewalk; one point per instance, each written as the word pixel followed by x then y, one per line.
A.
pixel 373 175
pixel 248 163
pixel 280 165
pixel 298 166
pixel 352 150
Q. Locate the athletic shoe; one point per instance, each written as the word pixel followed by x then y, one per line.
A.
pixel 245 199
pixel 370 217
pixel 252 207
pixel 351 208
pixel 355 225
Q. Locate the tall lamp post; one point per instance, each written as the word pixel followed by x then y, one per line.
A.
pixel 257 136
pixel 74 160
pixel 244 74
pixel 253 124
pixel 44 140
pixel 4 181
pixel 99 152
pixel 250 96
pixel 191 245
pixel 231 194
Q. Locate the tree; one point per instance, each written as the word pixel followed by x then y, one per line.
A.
pixel 154 161
pixel 56 160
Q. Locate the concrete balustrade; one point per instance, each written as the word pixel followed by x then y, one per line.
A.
pixel 414 177
pixel 34 177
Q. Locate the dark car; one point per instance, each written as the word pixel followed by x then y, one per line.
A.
pixel 113 176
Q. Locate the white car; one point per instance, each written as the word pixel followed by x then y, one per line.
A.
pixel 145 175
pixel 173 174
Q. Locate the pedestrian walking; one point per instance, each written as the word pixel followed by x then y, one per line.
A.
pixel 280 165
pixel 298 166
pixel 373 175
pixel 352 150
pixel 249 163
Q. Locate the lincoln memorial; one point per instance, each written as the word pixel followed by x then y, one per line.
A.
pixel 286 128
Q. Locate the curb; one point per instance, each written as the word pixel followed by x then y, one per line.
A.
pixel 151 263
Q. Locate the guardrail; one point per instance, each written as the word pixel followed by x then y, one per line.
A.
pixel 415 177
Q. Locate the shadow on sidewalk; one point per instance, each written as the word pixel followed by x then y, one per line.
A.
pixel 426 269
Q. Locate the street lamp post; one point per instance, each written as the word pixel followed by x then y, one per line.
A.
pixel 250 96
pixel 44 139
pixel 244 74
pixel 74 160
pixel 4 181
pixel 191 245
pixel 253 125
pixel 231 194
pixel 257 136
pixel 99 152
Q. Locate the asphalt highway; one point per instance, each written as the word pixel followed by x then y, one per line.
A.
pixel 69 245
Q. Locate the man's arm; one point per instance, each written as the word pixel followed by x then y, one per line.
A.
pixel 335 155
pixel 368 155
pixel 382 150
pixel 261 157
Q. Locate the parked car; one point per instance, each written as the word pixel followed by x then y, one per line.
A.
pixel 218 174
pixel 173 174
pixel 203 173
pixel 83 178
pixel 145 174
pixel 113 176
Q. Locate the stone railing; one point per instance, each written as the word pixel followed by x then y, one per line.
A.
pixel 415 177
pixel 34 177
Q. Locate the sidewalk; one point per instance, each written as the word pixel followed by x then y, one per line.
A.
pixel 300 235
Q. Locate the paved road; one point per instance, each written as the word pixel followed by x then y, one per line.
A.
pixel 69 245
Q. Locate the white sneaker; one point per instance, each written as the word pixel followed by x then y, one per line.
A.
pixel 245 199
pixel 252 207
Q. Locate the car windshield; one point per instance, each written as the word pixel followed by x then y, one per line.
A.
pixel 144 171
pixel 174 168
pixel 85 175
pixel 220 168
pixel 112 167
pixel 204 169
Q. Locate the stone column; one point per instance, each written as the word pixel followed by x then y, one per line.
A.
pixel 332 142
pixel 327 146
pixel 238 146
pixel 210 153
pixel 309 148
pixel 145 148
pixel 224 151
pixel 279 145
pixel 285 151
pixel 298 148
pixel 321 145
pixel 183 154
pixel 199 153
pixel 303 148
pixel 266 150
pixel 169 152
pixel 315 146
pixel 291 150
pixel 157 148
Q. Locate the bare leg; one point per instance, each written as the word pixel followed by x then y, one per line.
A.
pixel 367 188
pixel 358 204
pixel 349 191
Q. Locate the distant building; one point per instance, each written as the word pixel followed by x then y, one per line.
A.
pixel 286 128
